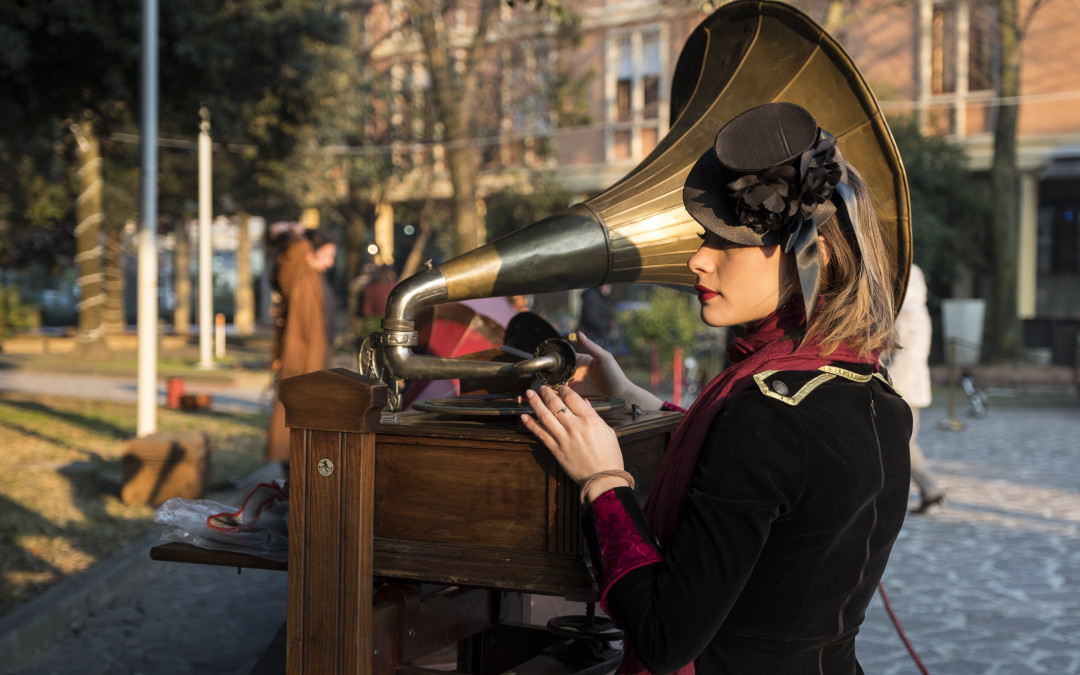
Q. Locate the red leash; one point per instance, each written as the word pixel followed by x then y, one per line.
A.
pixel 900 630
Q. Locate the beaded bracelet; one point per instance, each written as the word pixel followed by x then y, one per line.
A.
pixel 617 473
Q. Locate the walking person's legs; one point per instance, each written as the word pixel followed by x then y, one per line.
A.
pixel 929 492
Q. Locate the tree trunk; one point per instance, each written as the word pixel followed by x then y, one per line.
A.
pixel 415 258
pixel 182 282
pixel 463 165
pixel 1004 328
pixel 455 84
pixel 356 243
pixel 115 316
pixel 244 315
pixel 89 216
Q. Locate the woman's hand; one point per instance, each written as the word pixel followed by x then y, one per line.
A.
pixel 579 439
pixel 598 373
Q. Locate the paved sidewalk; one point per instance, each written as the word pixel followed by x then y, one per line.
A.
pixel 243 393
pixel 990 584
pixel 130 614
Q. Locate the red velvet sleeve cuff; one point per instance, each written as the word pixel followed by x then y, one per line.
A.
pixel 624 540
pixel 668 405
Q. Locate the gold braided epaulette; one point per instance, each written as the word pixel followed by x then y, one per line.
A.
pixel 772 382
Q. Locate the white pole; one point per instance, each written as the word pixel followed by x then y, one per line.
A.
pixel 146 379
pixel 206 251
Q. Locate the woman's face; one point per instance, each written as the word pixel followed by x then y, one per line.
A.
pixel 738 284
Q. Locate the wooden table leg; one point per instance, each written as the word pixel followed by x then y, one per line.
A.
pixel 331 520
pixel 330 552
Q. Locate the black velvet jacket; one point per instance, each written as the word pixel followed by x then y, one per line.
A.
pixel 796 501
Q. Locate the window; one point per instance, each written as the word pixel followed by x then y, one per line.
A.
pixel 981 56
pixel 624 100
pixel 524 96
pixel 636 64
pixel 962 54
pixel 651 85
pixel 650 74
pixel 624 87
pixel 1065 252
pixel 1058 241
pixel 944 55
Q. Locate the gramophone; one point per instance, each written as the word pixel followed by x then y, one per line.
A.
pixel 384 499
pixel 745 54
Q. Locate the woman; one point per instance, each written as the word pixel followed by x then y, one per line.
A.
pixel 300 342
pixel 910 371
pixel 784 487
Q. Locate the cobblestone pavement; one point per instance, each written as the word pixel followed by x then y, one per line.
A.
pixel 990 584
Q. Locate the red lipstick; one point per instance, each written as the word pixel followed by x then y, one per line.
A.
pixel 705 294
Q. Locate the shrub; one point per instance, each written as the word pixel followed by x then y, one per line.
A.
pixel 669 316
pixel 14 316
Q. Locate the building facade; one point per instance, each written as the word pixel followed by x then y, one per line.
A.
pixel 935 60
pixel 939 61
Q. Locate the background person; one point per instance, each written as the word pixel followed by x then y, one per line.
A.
pixel 324 253
pixel 300 339
pixel 782 491
pixel 596 314
pixel 910 373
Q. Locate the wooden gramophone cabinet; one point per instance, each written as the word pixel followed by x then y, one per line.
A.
pixel 382 503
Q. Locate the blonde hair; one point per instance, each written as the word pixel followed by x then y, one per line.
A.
pixel 855 282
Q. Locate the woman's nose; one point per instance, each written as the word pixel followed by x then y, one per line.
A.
pixel 697 262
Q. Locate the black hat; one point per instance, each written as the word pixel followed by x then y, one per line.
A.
pixel 772 177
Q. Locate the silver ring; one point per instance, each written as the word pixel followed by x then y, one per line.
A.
pixel 561 410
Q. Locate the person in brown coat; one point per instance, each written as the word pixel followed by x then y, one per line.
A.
pixel 300 343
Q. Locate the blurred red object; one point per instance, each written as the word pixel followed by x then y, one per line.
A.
pixel 174 390
pixel 450 329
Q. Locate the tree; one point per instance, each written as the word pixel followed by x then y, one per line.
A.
pixel 87 64
pixel 249 60
pixel 419 128
pixel 89 215
pixel 463 59
pixel 271 75
pixel 950 207
pixel 455 84
pixel 1004 329
pixel 36 204
pixel 669 319
pixel 1014 17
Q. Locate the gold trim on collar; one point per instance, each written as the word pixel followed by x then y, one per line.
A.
pixel 827 373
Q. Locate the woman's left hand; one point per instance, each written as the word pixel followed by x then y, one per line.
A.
pixel 573 431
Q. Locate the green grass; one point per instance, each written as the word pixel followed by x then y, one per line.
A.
pixel 60 480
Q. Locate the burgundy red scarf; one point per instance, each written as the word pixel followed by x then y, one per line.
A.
pixel 767 345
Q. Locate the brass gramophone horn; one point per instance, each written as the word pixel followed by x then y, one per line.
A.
pixel 745 54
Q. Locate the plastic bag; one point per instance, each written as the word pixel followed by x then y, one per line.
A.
pixel 259 527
